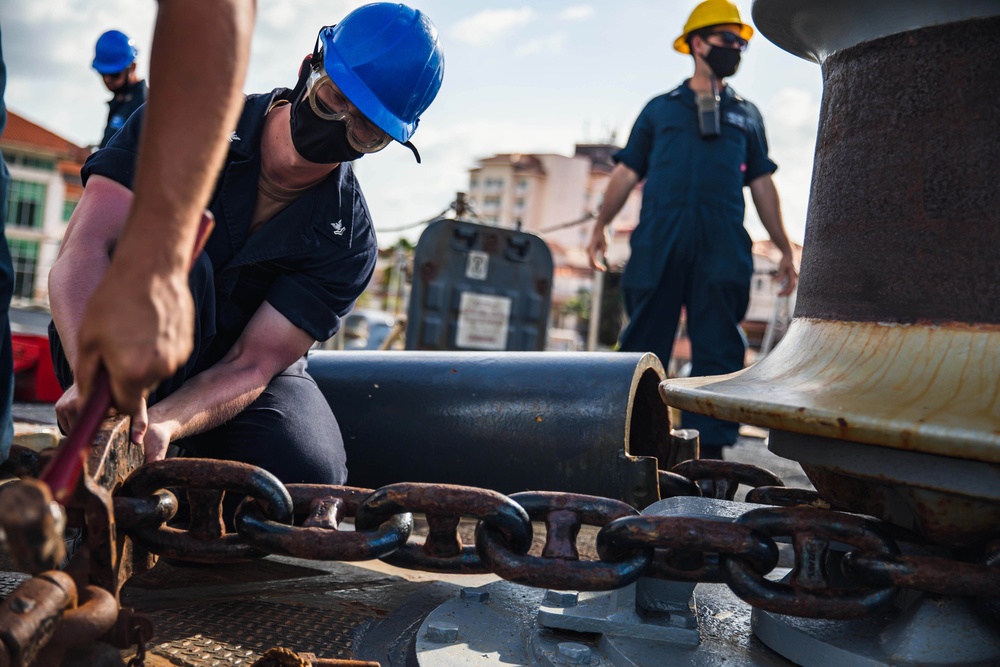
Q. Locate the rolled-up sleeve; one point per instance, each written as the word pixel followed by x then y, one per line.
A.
pixel 117 160
pixel 324 290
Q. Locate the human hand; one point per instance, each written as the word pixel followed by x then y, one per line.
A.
pixel 139 323
pixel 598 247
pixel 68 409
pixel 788 275
pixel 140 326
pixel 154 438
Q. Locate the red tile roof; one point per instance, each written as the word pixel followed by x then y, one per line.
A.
pixel 22 133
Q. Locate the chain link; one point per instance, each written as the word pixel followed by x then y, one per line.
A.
pixel 845 566
pixel 560 566
pixel 318 536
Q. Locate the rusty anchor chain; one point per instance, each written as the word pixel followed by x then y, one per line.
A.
pixel 846 566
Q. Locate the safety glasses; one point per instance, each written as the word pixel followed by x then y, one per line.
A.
pixel 329 103
pixel 731 40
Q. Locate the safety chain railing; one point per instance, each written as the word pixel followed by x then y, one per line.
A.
pixel 303 521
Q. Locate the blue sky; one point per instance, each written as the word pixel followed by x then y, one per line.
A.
pixel 520 77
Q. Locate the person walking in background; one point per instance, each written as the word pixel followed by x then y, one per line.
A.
pixel 6 293
pixel 697 147
pixel 114 60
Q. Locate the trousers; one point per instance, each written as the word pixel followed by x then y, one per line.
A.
pixel 289 430
pixel 715 307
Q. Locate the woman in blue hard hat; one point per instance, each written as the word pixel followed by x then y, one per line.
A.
pixel 114 60
pixel 292 248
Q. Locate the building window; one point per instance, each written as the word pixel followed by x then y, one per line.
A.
pixel 522 184
pixel 29 161
pixel 25 257
pixel 491 201
pixel 494 184
pixel 68 207
pixel 25 204
pixel 473 183
pixel 519 204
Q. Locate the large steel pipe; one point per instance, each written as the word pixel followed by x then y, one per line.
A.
pixel 510 421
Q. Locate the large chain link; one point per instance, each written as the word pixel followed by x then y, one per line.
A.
pixel 846 566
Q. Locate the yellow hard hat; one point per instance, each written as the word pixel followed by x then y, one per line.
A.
pixel 711 12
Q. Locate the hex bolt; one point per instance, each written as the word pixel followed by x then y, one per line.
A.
pixel 475 595
pixel 573 653
pixel 441 632
pixel 554 598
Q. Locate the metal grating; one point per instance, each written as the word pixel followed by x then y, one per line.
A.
pixel 237 632
pixel 9 581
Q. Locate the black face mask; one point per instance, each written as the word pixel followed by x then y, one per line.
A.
pixel 123 89
pixel 316 139
pixel 723 62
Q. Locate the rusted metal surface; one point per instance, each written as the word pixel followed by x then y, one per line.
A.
pixel 443 551
pixel 813 589
pixel 33 525
pixel 318 537
pixel 30 615
pixel 904 212
pixel 94 616
pixel 928 573
pixel 689 549
pixel 725 476
pixel 282 657
pixel 559 565
pixel 206 480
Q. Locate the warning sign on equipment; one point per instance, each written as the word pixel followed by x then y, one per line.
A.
pixel 483 321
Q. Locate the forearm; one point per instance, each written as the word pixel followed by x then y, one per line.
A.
pixel 210 399
pixel 623 179
pixel 84 256
pixel 768 205
pixel 268 345
pixel 71 282
pixel 184 139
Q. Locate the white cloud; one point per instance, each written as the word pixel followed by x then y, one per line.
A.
pixel 577 13
pixel 490 25
pixel 554 43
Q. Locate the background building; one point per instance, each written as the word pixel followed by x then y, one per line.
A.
pixel 555 197
pixel 45 187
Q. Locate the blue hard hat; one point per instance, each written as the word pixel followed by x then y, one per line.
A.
pixel 387 59
pixel 114 52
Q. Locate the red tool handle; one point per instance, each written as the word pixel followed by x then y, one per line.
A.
pixel 63 471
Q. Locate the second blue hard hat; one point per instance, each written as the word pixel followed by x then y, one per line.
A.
pixel 387 59
pixel 114 52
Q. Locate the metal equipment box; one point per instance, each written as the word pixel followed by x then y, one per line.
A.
pixel 477 287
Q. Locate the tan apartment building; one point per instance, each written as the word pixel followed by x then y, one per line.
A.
pixel 545 194
pixel 45 187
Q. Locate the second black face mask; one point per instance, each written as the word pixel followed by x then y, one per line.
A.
pixel 318 140
pixel 723 62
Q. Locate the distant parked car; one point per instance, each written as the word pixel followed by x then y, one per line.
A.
pixel 366 329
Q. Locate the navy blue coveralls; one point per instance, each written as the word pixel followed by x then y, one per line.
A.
pixel 120 109
pixel 311 261
pixel 690 248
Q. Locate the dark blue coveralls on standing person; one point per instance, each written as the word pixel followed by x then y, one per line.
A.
pixel 690 247
pixel 6 293
pixel 696 147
